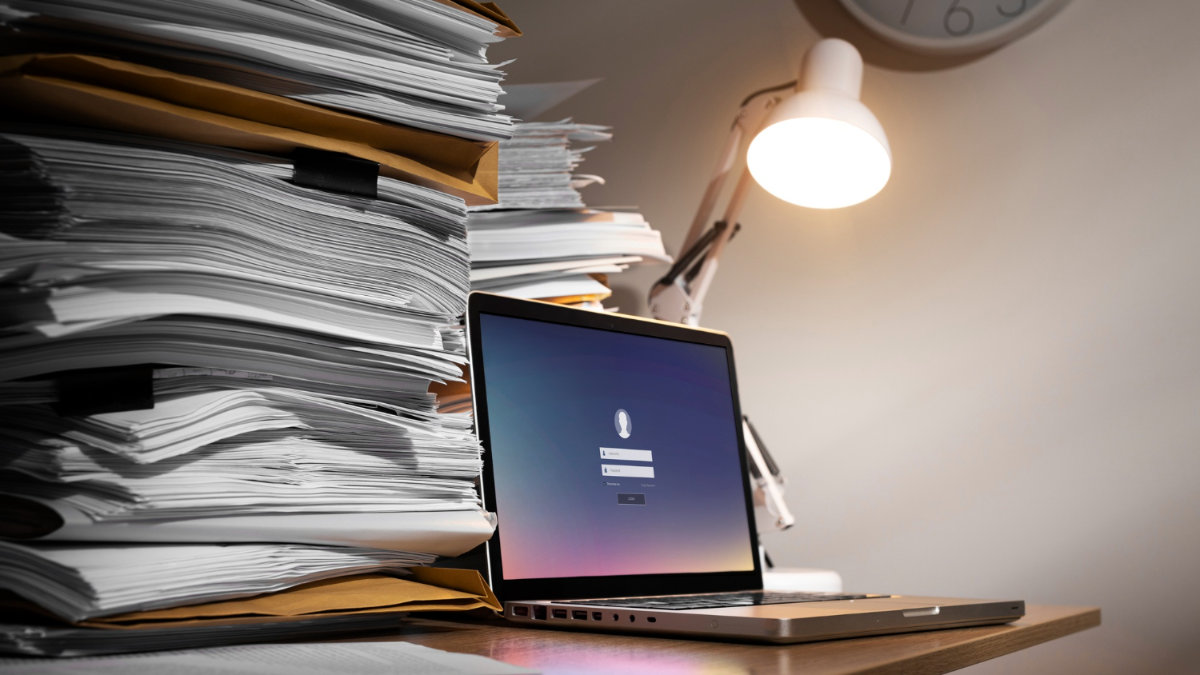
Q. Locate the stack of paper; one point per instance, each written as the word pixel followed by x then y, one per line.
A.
pixel 537 165
pixel 223 302
pixel 557 254
pixel 65 580
pixel 105 93
pixel 539 240
pixel 418 62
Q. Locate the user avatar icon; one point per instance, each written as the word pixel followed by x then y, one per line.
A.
pixel 623 423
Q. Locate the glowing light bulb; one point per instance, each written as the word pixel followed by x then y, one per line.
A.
pixel 818 162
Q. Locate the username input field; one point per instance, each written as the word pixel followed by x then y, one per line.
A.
pixel 626 454
pixel 627 470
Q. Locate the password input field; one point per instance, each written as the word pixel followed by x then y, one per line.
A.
pixel 627 470
pixel 626 454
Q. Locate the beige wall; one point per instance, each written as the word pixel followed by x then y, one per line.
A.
pixel 985 380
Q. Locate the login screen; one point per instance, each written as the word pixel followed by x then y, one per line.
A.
pixel 612 454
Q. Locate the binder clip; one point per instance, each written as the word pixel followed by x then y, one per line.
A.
pixel 335 171
pixel 104 390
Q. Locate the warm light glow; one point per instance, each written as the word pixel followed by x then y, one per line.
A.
pixel 818 162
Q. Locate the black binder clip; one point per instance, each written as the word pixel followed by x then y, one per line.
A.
pixel 335 171
pixel 104 390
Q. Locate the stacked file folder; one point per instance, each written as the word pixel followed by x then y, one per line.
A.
pixel 232 258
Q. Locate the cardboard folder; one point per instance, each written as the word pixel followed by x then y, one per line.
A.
pixel 100 92
pixel 429 589
pixel 488 10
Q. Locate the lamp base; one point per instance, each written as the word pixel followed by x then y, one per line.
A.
pixel 802 579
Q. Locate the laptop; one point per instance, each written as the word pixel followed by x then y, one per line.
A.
pixel 614 462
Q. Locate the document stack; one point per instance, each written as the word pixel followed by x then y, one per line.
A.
pixel 540 240
pixel 232 254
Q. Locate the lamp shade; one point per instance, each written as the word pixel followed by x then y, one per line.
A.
pixel 821 147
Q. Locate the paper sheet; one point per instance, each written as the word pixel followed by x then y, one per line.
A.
pixel 363 658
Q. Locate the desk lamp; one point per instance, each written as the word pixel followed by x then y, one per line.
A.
pixel 815 145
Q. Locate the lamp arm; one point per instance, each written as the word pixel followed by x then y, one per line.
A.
pixel 768 483
pixel 679 297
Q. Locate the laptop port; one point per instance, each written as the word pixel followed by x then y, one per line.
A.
pixel 597 616
pixel 558 613
pixel 579 615
pixel 539 612
pixel 520 610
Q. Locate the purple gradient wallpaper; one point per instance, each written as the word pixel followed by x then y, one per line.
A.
pixel 584 490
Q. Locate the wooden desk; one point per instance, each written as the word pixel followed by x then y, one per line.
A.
pixel 558 651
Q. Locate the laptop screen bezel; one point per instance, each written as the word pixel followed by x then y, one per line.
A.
pixel 609 586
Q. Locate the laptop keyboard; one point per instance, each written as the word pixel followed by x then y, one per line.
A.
pixel 715 600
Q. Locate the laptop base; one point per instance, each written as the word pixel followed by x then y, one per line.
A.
pixel 780 624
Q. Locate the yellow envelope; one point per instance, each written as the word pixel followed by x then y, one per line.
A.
pixel 111 94
pixel 428 590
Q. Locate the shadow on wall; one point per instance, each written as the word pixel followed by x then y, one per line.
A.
pixel 629 298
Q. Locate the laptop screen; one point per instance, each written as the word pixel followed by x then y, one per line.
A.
pixel 612 448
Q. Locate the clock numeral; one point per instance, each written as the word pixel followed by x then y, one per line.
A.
pixel 958 20
pixel 1010 13
pixel 907 10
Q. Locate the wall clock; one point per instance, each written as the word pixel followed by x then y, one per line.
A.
pixel 951 27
